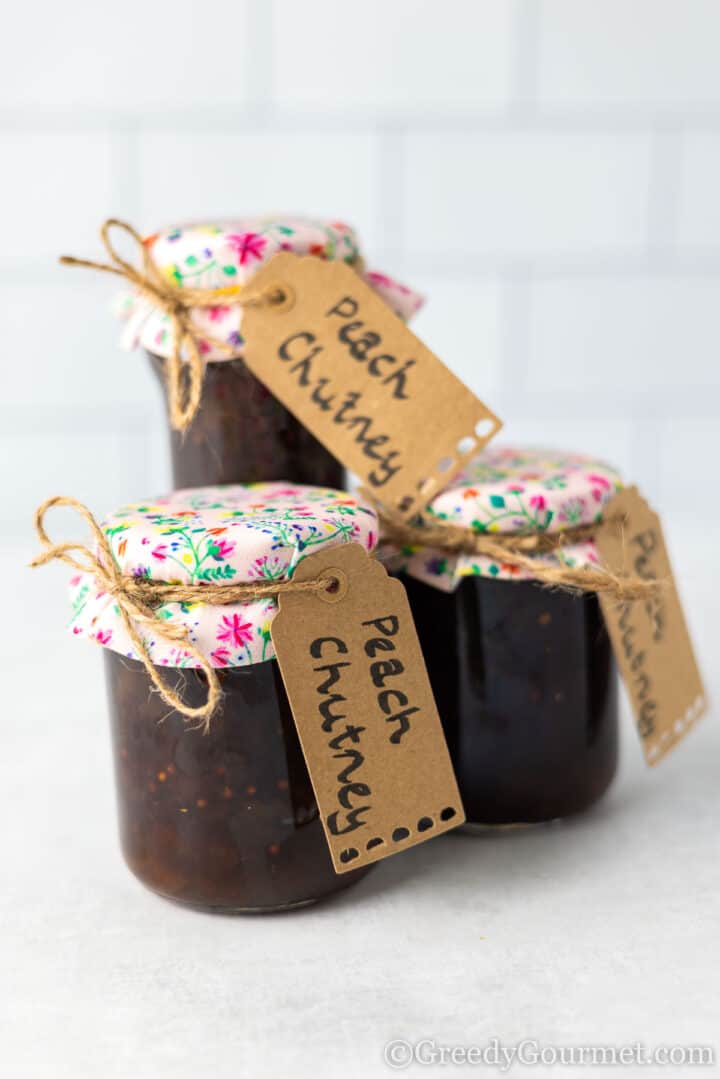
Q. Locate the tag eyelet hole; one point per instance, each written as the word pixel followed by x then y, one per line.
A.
pixel 336 585
pixel 466 445
pixel 484 428
pixel 281 298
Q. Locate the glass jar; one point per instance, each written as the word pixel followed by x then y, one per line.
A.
pixel 523 675
pixel 224 820
pixel 525 684
pixel 241 433
pixel 267 441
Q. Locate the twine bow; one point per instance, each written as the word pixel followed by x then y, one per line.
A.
pixel 137 600
pixel 184 380
pixel 519 550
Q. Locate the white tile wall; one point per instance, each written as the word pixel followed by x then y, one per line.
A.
pixel 652 53
pixel 75 339
pixel 443 324
pixel 688 458
pixel 636 335
pixel 166 53
pixel 545 170
pixel 414 55
pixel 55 185
pixel 181 174
pixel 103 461
pixel 698 223
pixel 526 193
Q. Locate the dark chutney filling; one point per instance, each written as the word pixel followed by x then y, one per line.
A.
pixel 225 820
pixel 525 684
pixel 242 434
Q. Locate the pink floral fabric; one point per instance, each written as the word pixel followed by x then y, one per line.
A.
pixel 215 255
pixel 214 536
pixel 508 489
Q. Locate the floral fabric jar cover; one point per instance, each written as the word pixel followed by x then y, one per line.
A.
pixel 215 255
pixel 510 489
pixel 215 536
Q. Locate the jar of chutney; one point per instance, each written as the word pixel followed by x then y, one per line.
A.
pixel 523 674
pixel 223 819
pixel 240 433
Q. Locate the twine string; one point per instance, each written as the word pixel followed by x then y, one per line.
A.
pixel 520 550
pixel 137 600
pixel 184 378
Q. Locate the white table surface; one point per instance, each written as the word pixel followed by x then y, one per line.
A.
pixel 604 930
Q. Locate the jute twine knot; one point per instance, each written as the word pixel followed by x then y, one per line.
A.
pixel 184 377
pixel 137 600
pixel 519 550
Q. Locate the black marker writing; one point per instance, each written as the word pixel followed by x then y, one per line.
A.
pixel 345 743
pixel 346 409
pixel 383 669
pixel 360 340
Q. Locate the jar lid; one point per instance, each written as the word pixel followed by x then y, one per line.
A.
pixel 216 254
pixel 215 536
pixel 512 489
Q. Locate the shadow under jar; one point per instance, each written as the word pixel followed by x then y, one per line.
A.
pixel 526 687
pixel 224 821
pixel 243 434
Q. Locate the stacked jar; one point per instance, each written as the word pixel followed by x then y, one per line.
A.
pixel 240 433
pixel 523 674
pixel 223 819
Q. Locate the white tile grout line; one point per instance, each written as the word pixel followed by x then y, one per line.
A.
pixel 524 58
pixel 263 114
pixel 391 180
pixel 650 410
pixel 658 263
pixel 515 330
pixel 258 71
pixel 125 181
pixel 666 153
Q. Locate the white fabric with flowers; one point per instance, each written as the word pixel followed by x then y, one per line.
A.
pixel 511 489
pixel 213 536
